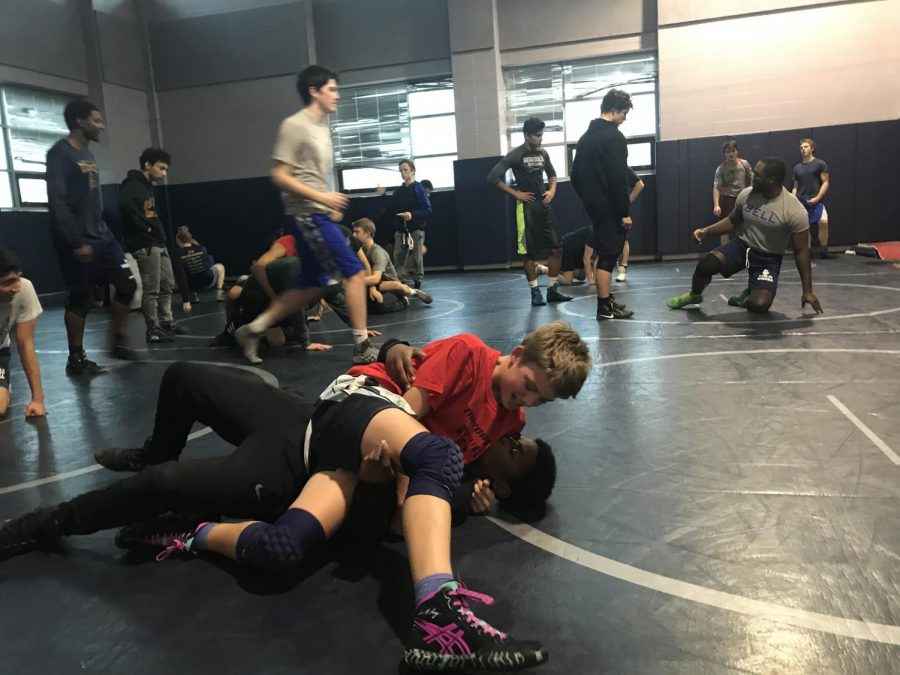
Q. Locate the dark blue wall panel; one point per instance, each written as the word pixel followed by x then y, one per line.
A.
pixel 837 146
pixel 29 236
pixel 859 206
pixel 877 205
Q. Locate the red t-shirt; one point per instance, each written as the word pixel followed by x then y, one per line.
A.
pixel 457 372
pixel 289 244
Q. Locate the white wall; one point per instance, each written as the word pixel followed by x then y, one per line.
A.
pixel 836 64
pixel 225 131
pixel 128 130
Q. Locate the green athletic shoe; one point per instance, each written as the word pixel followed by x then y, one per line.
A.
pixel 680 301
pixel 740 300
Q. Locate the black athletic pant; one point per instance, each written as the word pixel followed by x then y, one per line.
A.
pixel 259 479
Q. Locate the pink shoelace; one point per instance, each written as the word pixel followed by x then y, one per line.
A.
pixel 179 543
pixel 465 594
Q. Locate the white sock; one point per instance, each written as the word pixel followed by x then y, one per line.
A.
pixel 260 324
pixel 533 283
pixel 360 336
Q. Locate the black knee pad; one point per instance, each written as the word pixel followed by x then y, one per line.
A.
pixel 434 465
pixel 281 545
pixel 79 302
pixel 125 290
pixel 607 263
pixel 709 266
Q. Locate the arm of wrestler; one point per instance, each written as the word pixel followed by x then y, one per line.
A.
pixel 31 366
pixel 826 183
pixel 283 177
pixel 258 268
pixel 800 241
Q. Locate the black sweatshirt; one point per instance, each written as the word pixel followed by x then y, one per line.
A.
pixel 599 171
pixel 141 226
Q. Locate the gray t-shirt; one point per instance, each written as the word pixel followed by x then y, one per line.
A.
pixel 305 145
pixel 768 224
pixel 24 306
pixel 381 261
pixel 730 180
pixel 808 177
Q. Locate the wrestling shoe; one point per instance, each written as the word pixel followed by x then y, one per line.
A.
pixel 123 459
pixel 119 349
pixel 422 295
pixel 612 311
pixel 555 295
pixel 446 635
pixel 623 272
pixel 169 533
pixel 739 300
pixel 680 301
pixel 174 328
pixel 620 305
pixel 417 284
pixel 537 300
pixel 156 335
pixel 82 365
pixel 248 341
pixel 25 533
pixel 364 353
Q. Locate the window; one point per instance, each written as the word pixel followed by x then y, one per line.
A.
pixel 567 96
pixel 377 126
pixel 31 121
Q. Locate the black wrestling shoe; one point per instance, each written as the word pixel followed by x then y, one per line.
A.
pixel 555 295
pixel 174 328
pixel 612 311
pixel 620 305
pixel 25 533
pixel 446 635
pixel 119 349
pixel 81 365
pixel 159 533
pixel 156 335
pixel 123 459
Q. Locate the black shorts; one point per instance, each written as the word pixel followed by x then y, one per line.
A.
pixel 536 228
pixel 571 261
pixel 609 236
pixel 107 266
pixel 763 267
pixel 4 368
pixel 337 431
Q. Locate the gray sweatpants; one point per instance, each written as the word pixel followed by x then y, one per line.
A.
pixel 157 280
pixel 409 261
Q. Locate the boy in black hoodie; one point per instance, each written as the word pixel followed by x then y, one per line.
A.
pixel 145 238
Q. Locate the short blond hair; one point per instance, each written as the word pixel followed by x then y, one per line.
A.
pixel 366 225
pixel 559 351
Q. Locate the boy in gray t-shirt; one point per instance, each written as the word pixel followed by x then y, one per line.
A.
pixel 19 309
pixel 302 161
pixel 767 218
pixel 384 279
pixel 732 175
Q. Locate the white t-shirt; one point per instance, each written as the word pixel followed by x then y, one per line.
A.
pixel 24 306
pixel 304 144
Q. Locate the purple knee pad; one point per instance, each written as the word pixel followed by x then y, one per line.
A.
pixel 434 465
pixel 282 544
